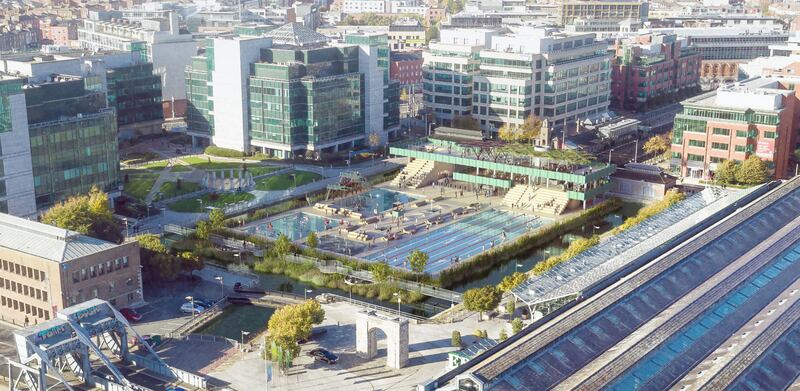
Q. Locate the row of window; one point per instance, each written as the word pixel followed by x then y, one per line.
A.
pixel 24 307
pixel 23 270
pixel 23 289
pixel 100 269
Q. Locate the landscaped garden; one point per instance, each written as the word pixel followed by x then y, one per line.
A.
pixel 138 184
pixel 287 180
pixel 214 200
pixel 172 189
pixel 206 164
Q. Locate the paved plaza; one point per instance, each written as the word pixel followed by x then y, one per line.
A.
pixel 429 345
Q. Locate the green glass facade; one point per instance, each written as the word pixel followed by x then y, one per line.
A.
pixel 198 90
pixel 136 93
pixel 306 96
pixel 73 138
pixel 7 87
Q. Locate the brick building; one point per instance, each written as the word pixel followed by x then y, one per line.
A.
pixel 650 69
pixel 63 34
pixel 406 68
pixel 756 117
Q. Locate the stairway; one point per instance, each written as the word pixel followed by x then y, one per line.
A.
pixel 74 365
pixel 515 196
pixel 549 201
pixel 415 174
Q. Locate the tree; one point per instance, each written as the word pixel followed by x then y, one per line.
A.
pixel 455 340
pixel 656 145
pixel 503 335
pixel 507 133
pixel 432 33
pixel 510 282
pixel 465 122
pixel 312 241
pixel 478 333
pixel 530 129
pixel 282 247
pixel 191 262
pixel 380 271
pixel 726 172
pixel 89 214
pixel 418 260
pixel 202 230
pixel 291 323
pixel 516 325
pixel 157 262
pixel 511 307
pixel 482 299
pixel 216 219
pixel 753 171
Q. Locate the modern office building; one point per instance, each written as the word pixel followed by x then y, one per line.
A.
pixel 130 84
pixel 619 10
pixel 406 34
pixel 44 269
pixel 16 172
pixel 291 92
pixel 73 139
pixel 504 78
pixel 651 69
pixel 157 41
pixel 756 117
pixel 723 49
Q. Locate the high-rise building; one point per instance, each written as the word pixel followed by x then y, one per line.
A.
pixel 59 140
pixel 756 117
pixel 130 84
pixel 157 41
pixel 616 10
pixel 291 92
pixel 504 78
pixel 651 69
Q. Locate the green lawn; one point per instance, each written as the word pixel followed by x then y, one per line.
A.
pixel 139 184
pixel 285 181
pixel 180 168
pixel 222 199
pixel 170 189
pixel 203 164
pixel 136 157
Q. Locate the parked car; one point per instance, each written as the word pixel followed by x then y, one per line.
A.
pixel 152 340
pixel 186 308
pixel 323 355
pixel 130 314
pixel 207 303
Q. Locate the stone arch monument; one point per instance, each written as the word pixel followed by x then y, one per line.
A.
pixel 396 330
pixel 228 179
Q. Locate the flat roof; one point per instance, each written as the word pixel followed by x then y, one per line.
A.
pixel 46 241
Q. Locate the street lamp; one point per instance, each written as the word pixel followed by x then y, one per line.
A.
pixel 305 293
pixel 452 300
pixel 595 227
pixel 399 299
pixel 243 334
pixel 238 255
pixel 200 200
pixel 191 299
pixel 517 266
pixel 609 155
pixel 294 176
pixel 127 232
pixel 221 287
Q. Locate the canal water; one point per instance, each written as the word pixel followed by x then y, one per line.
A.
pixel 254 318
pixel 238 318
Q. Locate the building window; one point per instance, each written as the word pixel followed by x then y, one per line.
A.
pixel 697 143
pixel 117 264
pixel 84 275
pixel 44 295
pixel 740 148
pixel 720 146
pixel 721 131
pixel 92 271
pixel 695 158
pixel 770 135
pixel 76 277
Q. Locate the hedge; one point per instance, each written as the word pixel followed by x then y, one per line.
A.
pixel 672 197
pixel 522 247
pixel 576 247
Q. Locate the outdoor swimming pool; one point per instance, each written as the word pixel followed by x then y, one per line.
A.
pixel 463 239
pixel 374 201
pixel 295 226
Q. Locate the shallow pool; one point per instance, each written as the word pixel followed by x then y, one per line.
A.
pixel 374 201
pixel 295 226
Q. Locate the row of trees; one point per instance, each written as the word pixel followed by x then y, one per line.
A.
pixel 750 172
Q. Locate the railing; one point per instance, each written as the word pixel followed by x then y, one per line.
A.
pixel 177 229
pixel 376 307
pixel 200 319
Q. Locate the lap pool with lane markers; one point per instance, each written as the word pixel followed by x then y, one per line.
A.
pixel 463 239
